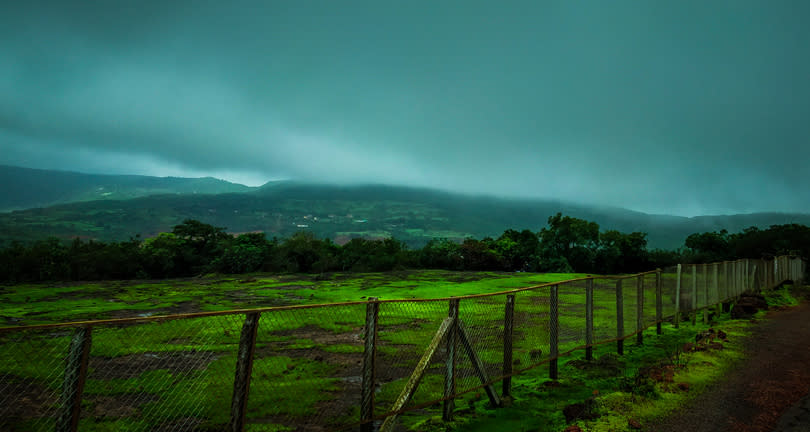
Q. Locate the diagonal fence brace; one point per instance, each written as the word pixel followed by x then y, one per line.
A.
pixel 421 367
pixel 478 365
pixel 416 377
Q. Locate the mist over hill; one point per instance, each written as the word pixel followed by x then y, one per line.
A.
pixel 111 207
pixel 27 188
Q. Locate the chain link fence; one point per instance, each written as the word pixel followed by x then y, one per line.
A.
pixel 350 366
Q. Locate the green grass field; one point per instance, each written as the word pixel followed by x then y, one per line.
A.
pixel 307 366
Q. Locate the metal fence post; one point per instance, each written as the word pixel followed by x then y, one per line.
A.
pixel 753 278
pixel 747 286
pixel 716 289
pixel 705 293
pixel 775 271
pixel 619 318
pixel 554 331
pixel 659 302
pixel 693 309
pixel 678 276
pixel 244 367
pixel 74 379
pixel 450 365
pixel 508 323
pixel 589 319
pixel 369 366
pixel 726 284
pixel 640 309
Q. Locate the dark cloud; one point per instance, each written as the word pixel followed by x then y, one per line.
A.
pixel 680 107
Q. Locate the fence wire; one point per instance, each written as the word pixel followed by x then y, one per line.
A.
pixel 306 368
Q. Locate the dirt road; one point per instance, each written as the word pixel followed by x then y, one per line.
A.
pixel 768 388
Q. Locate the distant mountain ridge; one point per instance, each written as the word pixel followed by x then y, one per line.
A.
pixel 25 188
pixel 414 215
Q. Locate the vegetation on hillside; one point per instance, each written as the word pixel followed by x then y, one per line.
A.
pixel 113 208
pixel 566 244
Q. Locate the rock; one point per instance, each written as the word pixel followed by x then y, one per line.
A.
pixel 662 374
pixel 587 410
pixel 707 335
pixel 573 411
pixel 748 305
pixel 634 424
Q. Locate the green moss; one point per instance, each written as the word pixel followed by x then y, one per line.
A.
pixel 781 296
pixel 344 348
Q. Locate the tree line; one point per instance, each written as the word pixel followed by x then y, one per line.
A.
pixel 567 244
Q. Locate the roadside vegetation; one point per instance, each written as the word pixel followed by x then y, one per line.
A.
pixel 622 393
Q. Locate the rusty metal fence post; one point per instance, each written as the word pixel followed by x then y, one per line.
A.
pixel 589 319
pixel 659 302
pixel 244 368
pixel 619 318
pixel 716 290
pixel 74 379
pixel 508 323
pixel 640 309
pixel 450 365
pixel 678 275
pixel 369 365
pixel 693 308
pixel 726 287
pixel 705 293
pixel 554 331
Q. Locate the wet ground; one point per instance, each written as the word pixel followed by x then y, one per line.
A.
pixel 769 389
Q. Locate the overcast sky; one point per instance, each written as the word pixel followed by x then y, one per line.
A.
pixel 679 107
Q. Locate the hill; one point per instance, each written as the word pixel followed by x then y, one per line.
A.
pixel 27 188
pixel 413 215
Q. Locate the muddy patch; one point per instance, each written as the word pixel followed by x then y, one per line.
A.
pixel 25 399
pixel 118 406
pixel 320 336
pixel 185 307
pixel 286 287
pixel 180 424
pixel 133 365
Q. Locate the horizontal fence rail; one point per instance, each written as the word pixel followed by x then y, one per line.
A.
pixel 348 366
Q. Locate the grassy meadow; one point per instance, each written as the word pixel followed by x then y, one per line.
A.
pixel 306 373
pixel 181 371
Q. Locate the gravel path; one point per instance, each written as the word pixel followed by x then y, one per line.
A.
pixel 767 390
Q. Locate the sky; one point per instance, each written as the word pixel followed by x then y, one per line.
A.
pixel 681 107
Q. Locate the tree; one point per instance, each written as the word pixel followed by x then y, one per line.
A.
pixel 480 255
pixel 163 256
pixel 202 244
pixel 709 246
pixel 518 250
pixel 622 253
pixel 442 254
pixel 303 253
pixel 244 254
pixel 568 243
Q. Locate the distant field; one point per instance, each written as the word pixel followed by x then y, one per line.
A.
pixel 60 302
pixel 181 370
